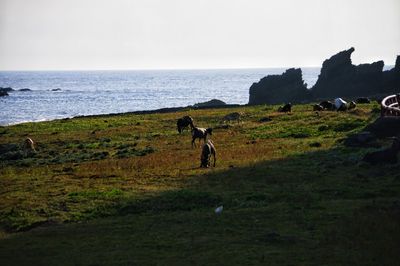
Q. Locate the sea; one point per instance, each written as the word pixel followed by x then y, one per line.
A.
pixel 66 94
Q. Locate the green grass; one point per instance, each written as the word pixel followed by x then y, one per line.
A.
pixel 127 190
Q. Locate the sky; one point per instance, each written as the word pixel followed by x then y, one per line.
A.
pixel 194 34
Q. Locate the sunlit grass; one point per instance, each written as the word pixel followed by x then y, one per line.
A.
pixel 145 153
pixel 285 184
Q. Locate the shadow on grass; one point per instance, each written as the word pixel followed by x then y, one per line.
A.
pixel 321 206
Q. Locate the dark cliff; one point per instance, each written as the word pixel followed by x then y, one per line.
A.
pixel 391 78
pixel 340 78
pixel 272 89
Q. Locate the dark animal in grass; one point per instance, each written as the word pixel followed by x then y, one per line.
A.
pixel 286 108
pixel 200 133
pixel 206 153
pixel 232 117
pixel 317 107
pixel 388 155
pixel 183 123
pixel 347 106
pixel 363 100
pixel 351 105
pixel 28 146
pixel 327 105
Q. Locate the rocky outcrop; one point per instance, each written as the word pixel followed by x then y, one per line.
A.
pixel 273 89
pixel 391 78
pixel 25 89
pixel 339 77
pixel 211 103
pixel 5 91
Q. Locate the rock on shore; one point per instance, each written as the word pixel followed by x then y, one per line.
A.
pixel 272 89
pixel 5 91
pixel 210 103
pixel 338 78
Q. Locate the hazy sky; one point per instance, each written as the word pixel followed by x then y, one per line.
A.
pixel 142 34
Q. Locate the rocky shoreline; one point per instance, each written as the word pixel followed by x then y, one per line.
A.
pixel 338 78
pixel 198 106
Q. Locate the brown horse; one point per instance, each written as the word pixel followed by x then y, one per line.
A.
pixel 206 153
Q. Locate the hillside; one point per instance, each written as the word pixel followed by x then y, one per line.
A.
pixel 127 190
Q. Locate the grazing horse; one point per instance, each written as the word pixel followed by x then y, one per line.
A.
pixel 351 105
pixel 232 117
pixel 317 107
pixel 286 108
pixel 327 105
pixel 206 153
pixel 28 146
pixel 184 122
pixel 200 133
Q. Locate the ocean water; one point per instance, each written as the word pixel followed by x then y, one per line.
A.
pixel 103 92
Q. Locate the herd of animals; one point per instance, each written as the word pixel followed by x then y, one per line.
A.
pixel 208 152
pixel 338 105
pixel 199 133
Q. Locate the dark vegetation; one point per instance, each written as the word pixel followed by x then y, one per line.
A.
pixel 127 190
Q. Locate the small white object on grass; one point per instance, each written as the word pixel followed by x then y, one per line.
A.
pixel 219 209
pixel 339 102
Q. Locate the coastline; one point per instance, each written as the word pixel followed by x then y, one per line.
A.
pixel 76 103
pixel 140 112
pixel 165 110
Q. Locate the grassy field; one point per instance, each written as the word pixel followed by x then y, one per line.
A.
pixel 127 190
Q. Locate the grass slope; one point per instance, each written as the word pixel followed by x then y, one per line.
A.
pixel 127 190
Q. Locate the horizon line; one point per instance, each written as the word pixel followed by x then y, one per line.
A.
pixel 161 69
pixel 155 69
